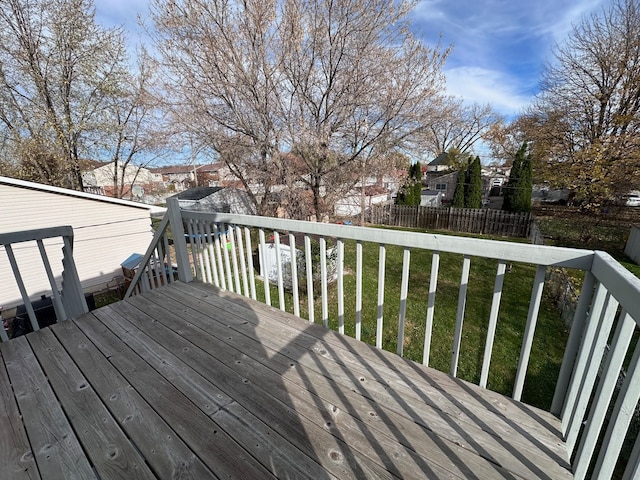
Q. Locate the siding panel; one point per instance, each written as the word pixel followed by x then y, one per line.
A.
pixel 105 235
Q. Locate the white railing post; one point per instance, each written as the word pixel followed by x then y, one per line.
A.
pixel 179 242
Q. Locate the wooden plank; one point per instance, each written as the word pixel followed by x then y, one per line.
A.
pixel 250 360
pixel 56 449
pixel 424 385
pixel 108 448
pixel 442 407
pixel 390 365
pixel 195 428
pixel 169 458
pixel 332 453
pixel 277 453
pixel 16 457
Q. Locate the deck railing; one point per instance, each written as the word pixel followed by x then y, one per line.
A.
pixel 218 248
pixel 68 298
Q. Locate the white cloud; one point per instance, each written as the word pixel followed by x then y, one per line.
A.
pixel 476 84
pixel 500 46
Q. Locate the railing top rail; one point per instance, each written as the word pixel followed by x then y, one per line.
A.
pixel 508 251
pixel 37 234
pixel 623 284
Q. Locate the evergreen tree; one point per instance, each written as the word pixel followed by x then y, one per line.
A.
pixel 473 184
pixel 517 195
pixel 412 190
pixel 521 197
pixel 458 193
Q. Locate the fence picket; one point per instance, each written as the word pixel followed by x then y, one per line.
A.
pixel 470 220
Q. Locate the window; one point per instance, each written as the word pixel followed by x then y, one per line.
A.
pixel 441 186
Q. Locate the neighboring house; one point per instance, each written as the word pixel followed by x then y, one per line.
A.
pixel 133 179
pixel 216 199
pixel 181 177
pixel 439 164
pixel 351 204
pixel 443 183
pixel 106 232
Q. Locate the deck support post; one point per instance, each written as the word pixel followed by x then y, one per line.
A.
pixel 179 242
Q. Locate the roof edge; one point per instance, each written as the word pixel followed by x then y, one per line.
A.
pixel 75 193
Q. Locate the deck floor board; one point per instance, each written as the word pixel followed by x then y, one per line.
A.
pixel 188 381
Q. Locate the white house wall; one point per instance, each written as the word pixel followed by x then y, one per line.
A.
pixel 105 234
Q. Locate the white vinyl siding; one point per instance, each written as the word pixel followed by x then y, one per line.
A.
pixel 105 234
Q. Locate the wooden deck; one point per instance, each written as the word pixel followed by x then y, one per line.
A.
pixel 191 382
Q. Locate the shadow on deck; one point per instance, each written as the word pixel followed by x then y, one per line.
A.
pixel 191 382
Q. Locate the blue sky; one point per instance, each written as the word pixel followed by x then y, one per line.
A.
pixel 500 46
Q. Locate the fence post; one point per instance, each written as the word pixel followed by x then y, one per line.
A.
pixel 179 241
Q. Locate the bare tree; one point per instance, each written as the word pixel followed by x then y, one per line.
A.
pixel 324 81
pixel 134 132
pixel 457 126
pixel 588 117
pixel 67 93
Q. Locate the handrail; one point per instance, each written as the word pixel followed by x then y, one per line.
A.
pixel 69 301
pixel 220 251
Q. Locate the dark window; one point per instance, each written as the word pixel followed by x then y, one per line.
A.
pixel 441 186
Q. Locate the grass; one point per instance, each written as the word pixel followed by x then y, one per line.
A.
pixel 582 231
pixel 549 341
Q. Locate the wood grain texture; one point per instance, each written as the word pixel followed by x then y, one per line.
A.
pixel 16 458
pixel 106 445
pixel 56 449
pixel 191 382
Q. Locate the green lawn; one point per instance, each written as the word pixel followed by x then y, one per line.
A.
pixel 550 336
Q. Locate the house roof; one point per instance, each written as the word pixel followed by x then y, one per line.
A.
pixel 211 167
pixel 74 193
pixel 442 159
pixel 196 193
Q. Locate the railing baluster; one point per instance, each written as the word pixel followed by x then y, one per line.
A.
pixel 203 252
pixel 211 253
pixel 243 263
pixel 264 268
pixel 340 286
pixel 380 311
pixel 431 302
pixel 527 341
pixel 21 287
pixel 309 274
pixel 165 240
pixel 462 301
pixel 161 264
pixel 153 273
pixel 620 418
pixel 493 321
pixel 192 244
pixel 234 256
pixel 58 307
pixel 573 343
pixel 276 240
pixel 583 358
pixel 615 360
pixel 358 290
pixel 252 274
pixel 323 281
pixel 218 232
pixel 589 379
pixel 404 290
pixel 294 274
pixel 225 255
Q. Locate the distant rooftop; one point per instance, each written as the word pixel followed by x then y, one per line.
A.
pixel 197 193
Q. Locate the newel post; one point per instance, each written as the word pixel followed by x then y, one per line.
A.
pixel 179 241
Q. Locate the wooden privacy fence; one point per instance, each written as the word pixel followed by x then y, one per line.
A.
pixel 469 220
